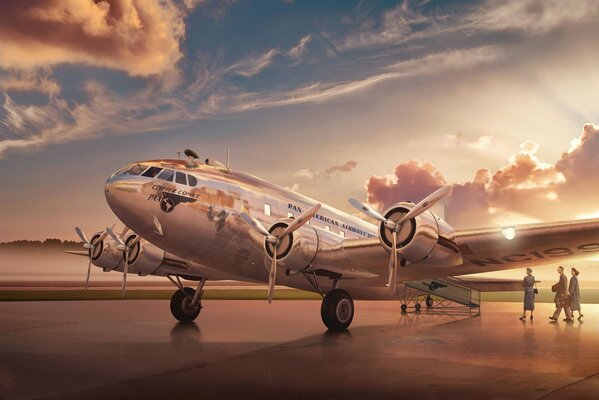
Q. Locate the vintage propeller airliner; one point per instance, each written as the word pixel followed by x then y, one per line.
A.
pixel 205 221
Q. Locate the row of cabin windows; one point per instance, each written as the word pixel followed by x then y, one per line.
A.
pixel 267 212
pixel 163 174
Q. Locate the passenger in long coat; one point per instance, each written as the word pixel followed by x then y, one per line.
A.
pixel 562 299
pixel 529 294
pixel 574 290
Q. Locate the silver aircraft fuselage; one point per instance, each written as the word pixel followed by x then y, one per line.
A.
pixel 201 222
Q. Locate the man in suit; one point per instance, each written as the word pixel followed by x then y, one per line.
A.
pixel 562 297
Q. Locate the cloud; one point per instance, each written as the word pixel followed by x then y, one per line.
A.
pixel 297 51
pixel 348 166
pixel 530 17
pixel 395 25
pixel 458 140
pixel 28 127
pixel 28 81
pixel 308 174
pixel 305 173
pixel 524 190
pixel 140 37
pixel 319 92
pixel 252 66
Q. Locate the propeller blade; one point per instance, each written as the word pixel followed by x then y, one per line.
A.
pixel 371 212
pixel 89 268
pixel 254 223
pixel 272 274
pixel 393 264
pixel 301 220
pixel 116 238
pixel 425 204
pixel 124 232
pixel 105 233
pixel 84 238
pixel 124 284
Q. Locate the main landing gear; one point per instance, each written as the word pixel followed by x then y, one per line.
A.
pixel 337 310
pixel 186 303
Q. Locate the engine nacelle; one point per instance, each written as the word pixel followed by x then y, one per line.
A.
pixel 296 250
pixel 423 239
pixel 144 257
pixel 106 254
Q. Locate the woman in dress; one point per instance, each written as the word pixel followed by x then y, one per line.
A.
pixel 529 294
pixel 575 293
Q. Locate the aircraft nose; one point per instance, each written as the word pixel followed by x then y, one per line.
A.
pixel 110 191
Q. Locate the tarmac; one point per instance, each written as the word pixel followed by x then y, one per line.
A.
pixel 253 350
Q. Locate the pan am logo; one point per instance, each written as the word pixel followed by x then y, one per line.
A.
pixel 167 205
pixel 168 201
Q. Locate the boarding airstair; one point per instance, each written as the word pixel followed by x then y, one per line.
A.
pixel 446 294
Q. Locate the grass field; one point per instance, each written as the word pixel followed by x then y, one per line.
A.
pixel 544 296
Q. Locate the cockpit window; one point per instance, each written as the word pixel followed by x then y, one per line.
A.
pixel 167 175
pixel 180 178
pixel 192 180
pixel 136 169
pixel 152 172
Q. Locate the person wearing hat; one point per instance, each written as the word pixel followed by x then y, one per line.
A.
pixel 529 294
pixel 574 290
pixel 562 297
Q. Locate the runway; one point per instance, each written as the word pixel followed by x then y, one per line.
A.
pixel 253 350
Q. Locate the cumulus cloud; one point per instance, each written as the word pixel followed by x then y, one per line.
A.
pixel 140 37
pixel 525 189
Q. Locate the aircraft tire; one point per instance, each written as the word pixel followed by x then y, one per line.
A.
pixel 429 301
pixel 180 307
pixel 337 310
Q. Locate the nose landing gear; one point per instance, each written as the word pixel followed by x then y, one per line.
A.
pixel 337 310
pixel 186 303
pixel 182 306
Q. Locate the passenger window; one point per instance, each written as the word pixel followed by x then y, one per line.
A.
pixel 289 215
pixel 180 178
pixel 167 175
pixel 267 210
pixel 327 228
pixel 136 169
pixel 342 233
pixel 152 172
pixel 192 180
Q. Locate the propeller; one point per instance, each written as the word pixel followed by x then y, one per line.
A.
pixel 87 244
pixel 275 240
pixel 126 249
pixel 395 226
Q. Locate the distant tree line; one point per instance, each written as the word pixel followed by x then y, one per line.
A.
pixel 46 244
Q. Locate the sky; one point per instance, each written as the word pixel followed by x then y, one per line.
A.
pixel 379 100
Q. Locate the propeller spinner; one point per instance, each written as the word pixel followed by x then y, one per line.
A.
pixel 395 226
pixel 274 241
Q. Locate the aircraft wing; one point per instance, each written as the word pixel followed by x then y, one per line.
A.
pixel 533 245
pixel 486 250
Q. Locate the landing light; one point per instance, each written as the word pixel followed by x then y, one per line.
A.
pixel 508 232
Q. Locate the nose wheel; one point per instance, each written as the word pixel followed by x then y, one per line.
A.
pixel 337 310
pixel 186 303
pixel 183 307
